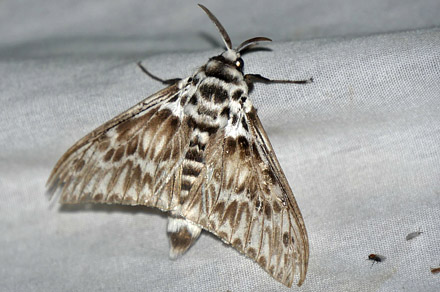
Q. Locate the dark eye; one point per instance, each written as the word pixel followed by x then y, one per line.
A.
pixel 239 64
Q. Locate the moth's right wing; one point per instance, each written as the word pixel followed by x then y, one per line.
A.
pixel 130 158
pixel 243 197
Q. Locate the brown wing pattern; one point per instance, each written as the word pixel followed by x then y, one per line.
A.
pixel 117 163
pixel 296 238
pixel 243 197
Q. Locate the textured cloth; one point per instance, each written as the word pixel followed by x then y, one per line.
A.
pixel 359 146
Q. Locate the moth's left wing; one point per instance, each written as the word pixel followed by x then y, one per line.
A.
pixel 130 158
pixel 243 197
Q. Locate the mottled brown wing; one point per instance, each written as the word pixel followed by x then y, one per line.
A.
pixel 243 197
pixel 296 239
pixel 129 159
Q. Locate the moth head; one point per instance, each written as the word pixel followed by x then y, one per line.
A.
pixel 228 54
pixel 232 57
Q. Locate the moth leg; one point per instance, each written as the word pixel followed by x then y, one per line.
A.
pixel 251 78
pixel 163 81
pixel 183 234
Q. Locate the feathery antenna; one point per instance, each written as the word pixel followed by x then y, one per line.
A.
pixel 220 27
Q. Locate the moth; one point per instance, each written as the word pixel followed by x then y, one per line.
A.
pixel 413 234
pixel 375 258
pixel 198 151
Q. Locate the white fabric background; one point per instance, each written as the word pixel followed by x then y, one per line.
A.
pixel 359 146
